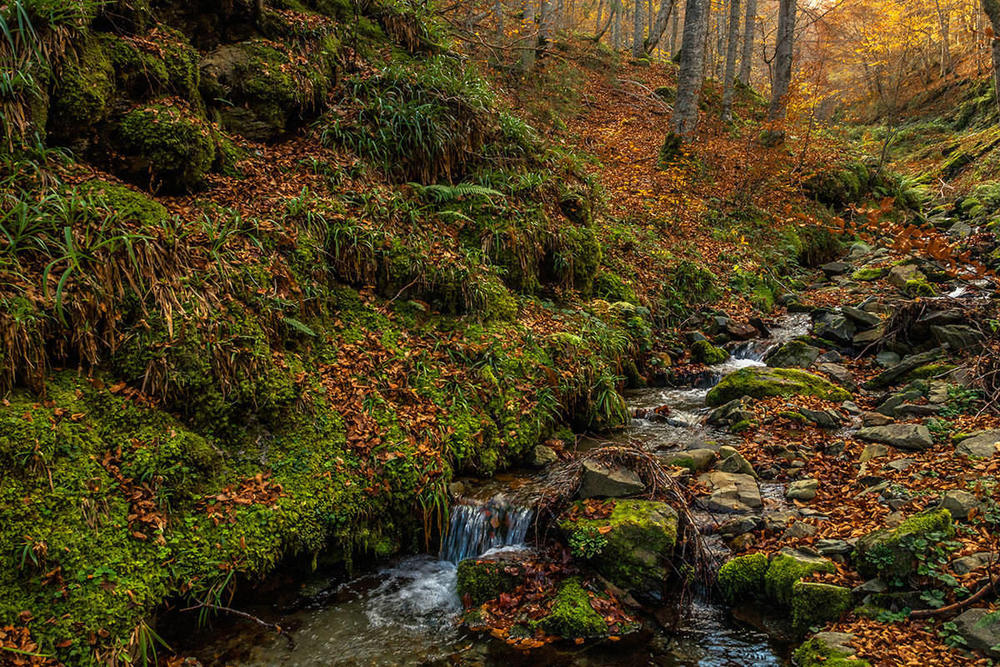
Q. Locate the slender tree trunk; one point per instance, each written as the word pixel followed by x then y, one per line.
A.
pixel 992 9
pixel 944 20
pixel 783 52
pixel 600 10
pixel 660 25
pixel 685 118
pixel 529 42
pixel 732 47
pixel 637 28
pixel 675 25
pixel 749 32
pixel 616 31
pixel 544 22
pixel 498 19
pixel 720 36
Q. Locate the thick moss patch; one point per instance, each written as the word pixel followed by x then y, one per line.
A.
pixel 702 351
pixel 785 570
pixel 816 603
pixel 482 580
pixel 572 615
pixel 891 554
pixel 742 578
pixel 764 382
pixel 84 92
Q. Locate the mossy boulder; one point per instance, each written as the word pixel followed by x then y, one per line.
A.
pixel 764 382
pixel 572 616
pixel 127 205
pixel 742 578
pixel 640 537
pixel 483 580
pixel 827 649
pixel 788 567
pixel 869 274
pixel 164 145
pixel 815 603
pixel 891 554
pixel 610 287
pixel 84 92
pixel 794 354
pixel 576 258
pixel 702 351
pixel 163 63
pixel 261 88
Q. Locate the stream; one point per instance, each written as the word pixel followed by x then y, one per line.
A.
pixel 407 612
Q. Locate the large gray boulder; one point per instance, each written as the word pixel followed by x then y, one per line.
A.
pixel 900 275
pixel 957 337
pixel 902 436
pixel 794 354
pixel 835 327
pixel 981 630
pixel 601 481
pixel 983 445
pixel 731 492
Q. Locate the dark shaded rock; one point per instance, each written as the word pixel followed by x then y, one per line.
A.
pixel 903 368
pixel 600 481
pixel 794 354
pixel 861 318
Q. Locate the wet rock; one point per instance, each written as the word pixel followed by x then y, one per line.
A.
pixel 827 648
pixel 889 405
pixel 889 553
pixel 833 547
pixel 485 579
pixel 900 275
pixel 959 504
pixel 977 560
pixel 851 408
pixel 738 526
pixel 703 352
pixel 695 460
pixel 639 538
pixel 822 418
pixel 865 338
pixel 730 460
pixel 601 481
pixel 957 337
pixel 731 492
pixel 839 374
pixel 901 464
pixel 740 330
pixel 831 356
pixel 861 318
pixel 794 354
pixel 902 436
pixel 835 327
pixel 984 445
pixel 763 382
pixel 804 489
pixel 733 412
pixel 887 358
pixel 892 375
pixel 942 317
pixel 981 630
pixel 543 456
pixel 910 410
pixel 938 393
pixel 814 603
pixel 788 567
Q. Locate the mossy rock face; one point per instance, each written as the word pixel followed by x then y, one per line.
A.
pixel 890 554
pixel 165 146
pixel 482 580
pixel 788 567
pixel 815 603
pixel 610 287
pixel 144 72
pixel 764 382
pixel 261 89
pixel 84 91
pixel 127 205
pixel 576 258
pixel 818 653
pixel 742 578
pixel 794 354
pixel 640 537
pixel 702 351
pixel 869 274
pixel 572 616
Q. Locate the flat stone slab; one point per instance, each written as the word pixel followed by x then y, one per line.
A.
pixel 731 492
pixel 902 436
pixel 984 445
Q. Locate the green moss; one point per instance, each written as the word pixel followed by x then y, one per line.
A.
pixel 125 204
pixel 610 287
pixel 816 603
pixel 892 554
pixel 481 580
pixel 144 72
pixel 764 382
pixel 784 570
pixel 930 371
pixel 815 653
pixel 742 578
pixel 84 91
pixel 919 288
pixel 577 258
pixel 165 144
pixel 702 351
pixel 572 615
pixel 869 274
pixel 640 537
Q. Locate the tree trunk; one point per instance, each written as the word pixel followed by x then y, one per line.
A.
pixel 749 32
pixel 783 51
pixel 992 9
pixel 597 24
pixel 616 31
pixel 660 26
pixel 685 118
pixel 732 46
pixel 675 25
pixel 944 20
pixel 529 41
pixel 637 28
pixel 498 18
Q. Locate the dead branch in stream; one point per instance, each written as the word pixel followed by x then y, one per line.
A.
pixel 242 614
pixel 562 485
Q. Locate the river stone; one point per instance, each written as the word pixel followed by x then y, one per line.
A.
pixel 758 382
pixel 959 503
pixel 732 461
pixel 838 642
pixel 738 526
pixel 889 553
pixel 957 337
pixel 938 392
pixel 862 318
pixel 873 452
pixel 833 547
pixel 890 376
pixel 804 489
pixel 887 358
pixel 731 492
pixel 822 418
pixel 601 481
pixel 838 328
pixel 902 436
pixel 798 530
pixel 967 564
pixel 869 336
pixel 838 373
pixel 981 631
pixel 900 275
pixel 543 455
pixel 740 330
pixel 733 412
pixel 698 459
pixel 984 445
pixel 835 268
pixel 794 354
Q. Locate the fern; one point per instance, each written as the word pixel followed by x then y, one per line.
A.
pixel 443 194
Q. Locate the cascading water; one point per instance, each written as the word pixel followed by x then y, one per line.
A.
pixel 475 529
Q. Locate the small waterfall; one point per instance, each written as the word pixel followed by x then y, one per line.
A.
pixel 476 528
